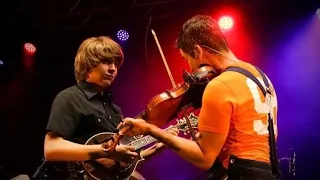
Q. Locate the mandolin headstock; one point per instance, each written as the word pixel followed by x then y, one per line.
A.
pixel 183 126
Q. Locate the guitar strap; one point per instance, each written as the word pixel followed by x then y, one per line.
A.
pixel 267 92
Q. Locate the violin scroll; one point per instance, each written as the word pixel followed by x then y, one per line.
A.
pixel 200 76
pixel 198 81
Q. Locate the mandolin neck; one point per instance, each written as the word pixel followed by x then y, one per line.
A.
pixel 145 141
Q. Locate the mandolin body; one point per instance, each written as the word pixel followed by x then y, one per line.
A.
pixel 97 171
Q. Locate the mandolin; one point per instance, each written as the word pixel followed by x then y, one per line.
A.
pixel 97 171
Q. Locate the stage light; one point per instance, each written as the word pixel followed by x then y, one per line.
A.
pixel 225 22
pixel 318 12
pixel 1 62
pixel 123 35
pixel 29 48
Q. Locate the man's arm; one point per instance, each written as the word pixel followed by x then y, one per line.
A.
pixel 214 119
pixel 62 122
pixel 146 153
pixel 202 153
pixel 58 149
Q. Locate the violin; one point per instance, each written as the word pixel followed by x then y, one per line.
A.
pixel 164 106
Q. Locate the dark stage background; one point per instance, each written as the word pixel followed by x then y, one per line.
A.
pixel 282 37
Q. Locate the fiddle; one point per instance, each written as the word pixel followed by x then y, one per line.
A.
pixel 164 106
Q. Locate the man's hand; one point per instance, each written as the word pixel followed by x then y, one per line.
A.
pixel 135 127
pixel 122 153
pixel 173 130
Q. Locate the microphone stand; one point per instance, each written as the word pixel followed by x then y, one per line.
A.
pixel 39 170
pixel 291 162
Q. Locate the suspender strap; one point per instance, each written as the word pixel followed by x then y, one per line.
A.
pixel 251 76
pixel 272 143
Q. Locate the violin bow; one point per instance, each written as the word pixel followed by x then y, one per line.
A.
pixel 164 59
pixel 172 81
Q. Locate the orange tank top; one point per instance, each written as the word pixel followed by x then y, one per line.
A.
pixel 248 128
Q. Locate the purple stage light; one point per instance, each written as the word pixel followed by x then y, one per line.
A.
pixel 122 35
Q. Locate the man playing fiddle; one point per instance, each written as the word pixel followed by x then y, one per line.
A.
pixel 233 118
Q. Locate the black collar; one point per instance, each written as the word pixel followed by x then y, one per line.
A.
pixel 90 90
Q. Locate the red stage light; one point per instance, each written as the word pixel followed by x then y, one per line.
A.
pixel 225 22
pixel 29 48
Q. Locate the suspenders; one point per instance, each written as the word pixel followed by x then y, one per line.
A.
pixel 267 94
